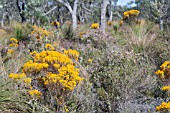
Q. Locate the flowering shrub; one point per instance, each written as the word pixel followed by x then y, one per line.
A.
pixel 40 39
pixel 95 26
pixel 164 71
pixel 51 70
pixel 130 16
pixel 163 106
pixel 12 46
pixel 164 74
pixel 131 13
pixel 14 42
pixel 40 32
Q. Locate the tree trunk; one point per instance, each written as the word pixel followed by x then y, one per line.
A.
pixel 74 20
pixel 73 11
pixel 3 18
pixel 74 15
pixel 161 22
pixel 111 12
pixel 103 15
pixel 21 9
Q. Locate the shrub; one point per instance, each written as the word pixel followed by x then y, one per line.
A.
pixel 53 76
pixel 164 74
pixel 67 32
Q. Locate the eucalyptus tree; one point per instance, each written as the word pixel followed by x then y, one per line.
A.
pixel 8 11
pixel 103 15
pixel 111 3
pixel 85 10
pixel 21 8
pixel 155 10
pixel 72 7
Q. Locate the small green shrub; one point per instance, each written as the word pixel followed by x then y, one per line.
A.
pixel 68 32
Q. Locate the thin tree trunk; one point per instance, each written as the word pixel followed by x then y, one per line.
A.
pixel 73 11
pixel 74 15
pixel 21 10
pixel 161 22
pixel 111 12
pixel 74 20
pixel 103 16
pixel 3 18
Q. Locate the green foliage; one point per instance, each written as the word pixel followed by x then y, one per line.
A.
pixel 68 32
pixel 12 99
pixel 19 33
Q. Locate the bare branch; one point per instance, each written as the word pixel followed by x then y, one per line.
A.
pixel 50 10
pixel 66 3
pixel 83 6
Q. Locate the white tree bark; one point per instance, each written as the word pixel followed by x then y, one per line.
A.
pixel 111 12
pixel 74 15
pixel 73 11
pixel 103 15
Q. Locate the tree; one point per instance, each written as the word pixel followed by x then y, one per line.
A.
pixel 111 8
pixel 73 11
pixel 103 15
pixel 154 10
pixel 21 9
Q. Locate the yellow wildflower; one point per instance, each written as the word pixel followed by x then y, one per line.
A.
pixel 56 23
pixel 109 23
pixel 90 60
pixel 13 45
pixel 66 109
pixel 27 80
pixel 13 40
pixel 10 51
pixel 121 23
pixel 164 105
pixel 13 75
pixel 95 26
pixel 34 93
pixel 49 46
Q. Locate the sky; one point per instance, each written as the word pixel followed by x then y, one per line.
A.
pixel 123 2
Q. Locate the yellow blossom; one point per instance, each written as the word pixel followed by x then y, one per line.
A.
pixel 49 46
pixel 56 23
pixel 164 105
pixel 109 23
pixel 27 80
pixel 10 51
pixel 66 109
pixel 90 60
pixel 34 93
pixel 95 26
pixel 13 45
pixel 14 40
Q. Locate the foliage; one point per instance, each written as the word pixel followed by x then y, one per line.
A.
pixel 67 32
pixel 164 76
